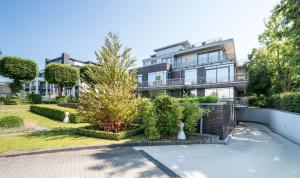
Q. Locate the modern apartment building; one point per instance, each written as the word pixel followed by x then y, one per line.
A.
pixel 47 90
pixel 184 69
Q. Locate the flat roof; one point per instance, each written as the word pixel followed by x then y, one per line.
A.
pixel 183 43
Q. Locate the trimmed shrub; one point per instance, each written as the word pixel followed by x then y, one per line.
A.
pixel 35 98
pixel 209 99
pixel 110 135
pixel 149 117
pixel 62 75
pixel 69 105
pixel 11 122
pixel 55 112
pixel 206 99
pixel 169 114
pixel 191 116
pixel 12 100
pixel 289 101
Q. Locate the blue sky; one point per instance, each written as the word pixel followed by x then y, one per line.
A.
pixel 38 29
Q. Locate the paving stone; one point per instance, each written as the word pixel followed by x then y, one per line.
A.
pixel 116 162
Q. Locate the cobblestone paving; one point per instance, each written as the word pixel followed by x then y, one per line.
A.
pixel 117 162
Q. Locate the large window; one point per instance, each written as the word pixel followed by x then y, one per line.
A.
pixel 220 92
pixel 222 74
pixel 157 78
pixel 190 77
pixel 167 60
pixel 202 58
pixel 211 76
pixel 210 57
pixel 213 56
pixel 219 75
pixel 140 80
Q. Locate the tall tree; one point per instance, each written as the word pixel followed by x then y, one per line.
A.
pixel 111 105
pixel 257 67
pixel 279 49
pixel 61 75
pixel 90 75
pixel 19 70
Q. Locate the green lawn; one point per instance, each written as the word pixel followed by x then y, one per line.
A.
pixel 30 117
pixel 11 107
pixel 61 135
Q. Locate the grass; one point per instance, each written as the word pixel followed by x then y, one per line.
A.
pixel 57 138
pixel 61 135
pixel 30 117
pixel 12 107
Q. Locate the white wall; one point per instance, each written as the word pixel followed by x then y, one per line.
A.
pixel 284 123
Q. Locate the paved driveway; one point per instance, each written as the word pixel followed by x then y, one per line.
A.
pixel 118 162
pixel 254 151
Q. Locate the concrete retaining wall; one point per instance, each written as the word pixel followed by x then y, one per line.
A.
pixel 284 123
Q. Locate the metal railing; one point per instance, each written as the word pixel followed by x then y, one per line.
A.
pixel 191 82
pixel 243 101
pixel 209 60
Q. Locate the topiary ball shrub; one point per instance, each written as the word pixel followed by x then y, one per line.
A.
pixel 11 122
pixel 35 98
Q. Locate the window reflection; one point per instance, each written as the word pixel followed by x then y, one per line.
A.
pixel 190 77
pixel 157 78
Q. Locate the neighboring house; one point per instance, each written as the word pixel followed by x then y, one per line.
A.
pixel 47 90
pixel 4 89
pixel 183 69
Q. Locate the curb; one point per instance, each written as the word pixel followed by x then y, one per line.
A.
pixel 228 138
pixel 210 140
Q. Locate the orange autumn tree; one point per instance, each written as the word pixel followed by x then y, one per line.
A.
pixel 110 105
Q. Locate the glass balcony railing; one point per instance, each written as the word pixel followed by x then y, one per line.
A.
pixel 191 82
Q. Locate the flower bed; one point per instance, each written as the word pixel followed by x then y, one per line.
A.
pixel 55 112
pixel 110 135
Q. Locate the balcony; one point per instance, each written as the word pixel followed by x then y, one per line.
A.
pixel 203 82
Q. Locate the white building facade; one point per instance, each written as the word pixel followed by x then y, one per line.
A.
pixel 47 90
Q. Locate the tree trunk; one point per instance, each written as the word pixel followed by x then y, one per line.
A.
pixel 60 92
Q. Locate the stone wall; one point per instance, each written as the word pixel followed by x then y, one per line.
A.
pixel 220 119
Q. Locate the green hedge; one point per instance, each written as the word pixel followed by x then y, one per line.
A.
pixel 55 112
pixel 289 101
pixel 110 135
pixel 206 99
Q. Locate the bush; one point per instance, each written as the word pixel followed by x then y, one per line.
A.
pixel 169 114
pixel 191 116
pixel 258 101
pixel 209 99
pixel 147 113
pixel 55 112
pixel 110 135
pixel 289 101
pixel 11 122
pixel 35 98
pixel 206 99
pixel 2 100
pixel 12 100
